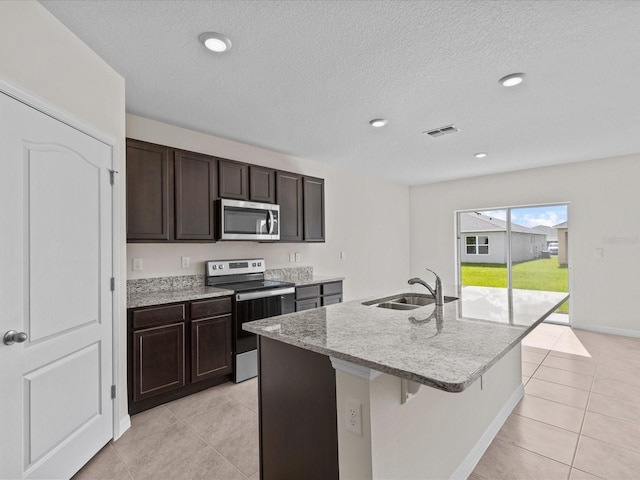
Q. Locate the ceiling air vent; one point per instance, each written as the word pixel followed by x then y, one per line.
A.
pixel 438 132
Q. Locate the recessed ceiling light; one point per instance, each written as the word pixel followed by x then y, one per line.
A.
pixel 216 42
pixel 378 122
pixel 480 154
pixel 513 79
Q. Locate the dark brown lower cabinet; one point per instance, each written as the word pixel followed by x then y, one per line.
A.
pixel 210 348
pixel 318 295
pixel 177 349
pixel 159 360
pixel 298 418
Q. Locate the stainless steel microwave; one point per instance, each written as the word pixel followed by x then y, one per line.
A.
pixel 241 220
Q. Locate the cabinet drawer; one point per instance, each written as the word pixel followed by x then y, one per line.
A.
pixel 307 292
pixel 155 316
pixel 332 288
pixel 307 304
pixel 331 299
pixel 210 308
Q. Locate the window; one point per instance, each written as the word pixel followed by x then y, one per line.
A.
pixel 477 245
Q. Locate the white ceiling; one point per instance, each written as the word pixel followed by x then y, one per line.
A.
pixel 305 77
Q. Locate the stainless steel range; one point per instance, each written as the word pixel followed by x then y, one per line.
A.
pixel 254 298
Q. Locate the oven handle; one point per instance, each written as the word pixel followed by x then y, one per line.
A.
pixel 240 297
pixel 271 222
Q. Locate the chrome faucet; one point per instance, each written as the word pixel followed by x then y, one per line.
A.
pixel 437 293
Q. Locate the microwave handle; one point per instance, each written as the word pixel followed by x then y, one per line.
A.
pixel 270 221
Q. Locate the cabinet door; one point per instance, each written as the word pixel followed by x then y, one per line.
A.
pixel 331 299
pixel 210 347
pixel 148 200
pixel 307 304
pixel 158 360
pixel 289 197
pixel 262 184
pixel 233 180
pixel 195 192
pixel 313 192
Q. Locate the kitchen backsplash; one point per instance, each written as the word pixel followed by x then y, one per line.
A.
pixel 290 274
pixel 183 282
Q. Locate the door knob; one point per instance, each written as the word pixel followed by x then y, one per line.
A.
pixel 12 337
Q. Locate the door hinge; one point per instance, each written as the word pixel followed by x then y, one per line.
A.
pixel 113 391
pixel 113 284
pixel 112 176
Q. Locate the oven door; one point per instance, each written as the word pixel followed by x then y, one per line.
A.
pixel 256 306
pixel 248 220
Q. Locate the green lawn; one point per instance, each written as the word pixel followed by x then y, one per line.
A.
pixel 544 274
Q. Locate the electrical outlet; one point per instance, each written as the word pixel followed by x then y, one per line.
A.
pixel 292 257
pixel 137 264
pixel 343 255
pixel 298 256
pixel 353 416
pixel 186 261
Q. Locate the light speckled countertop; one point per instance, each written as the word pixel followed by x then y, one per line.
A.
pixel 317 279
pixel 447 348
pixel 145 299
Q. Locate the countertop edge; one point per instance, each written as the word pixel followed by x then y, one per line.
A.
pixel 139 300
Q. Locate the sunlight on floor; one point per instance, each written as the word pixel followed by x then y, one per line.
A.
pixel 556 337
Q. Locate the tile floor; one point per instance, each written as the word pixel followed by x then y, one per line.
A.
pixel 579 420
pixel 580 416
pixel 208 435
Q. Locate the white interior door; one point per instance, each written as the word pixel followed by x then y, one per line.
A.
pixel 55 271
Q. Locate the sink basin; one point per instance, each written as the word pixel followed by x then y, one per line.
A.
pixel 397 306
pixel 407 301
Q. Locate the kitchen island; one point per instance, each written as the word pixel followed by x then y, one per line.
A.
pixel 339 386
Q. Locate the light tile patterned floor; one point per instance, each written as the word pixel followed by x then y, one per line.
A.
pixel 209 435
pixel 579 419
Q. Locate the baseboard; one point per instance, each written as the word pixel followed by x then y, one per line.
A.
pixel 123 426
pixel 471 460
pixel 624 332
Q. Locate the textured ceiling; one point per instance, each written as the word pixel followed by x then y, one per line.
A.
pixel 305 77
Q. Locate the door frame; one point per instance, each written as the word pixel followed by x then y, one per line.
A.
pixel 458 241
pixel 72 121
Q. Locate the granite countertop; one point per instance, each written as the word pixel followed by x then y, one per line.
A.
pixel 317 279
pixel 445 347
pixel 145 299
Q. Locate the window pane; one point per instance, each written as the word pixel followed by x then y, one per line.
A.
pixel 483 240
pixel 471 240
pixel 471 250
pixel 483 250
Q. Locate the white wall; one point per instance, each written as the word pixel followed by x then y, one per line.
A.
pixel 40 56
pixel 368 219
pixel 602 214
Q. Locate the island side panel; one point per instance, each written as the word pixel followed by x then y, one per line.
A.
pixel 298 424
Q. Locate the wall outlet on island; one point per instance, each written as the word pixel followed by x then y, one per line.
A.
pixel 353 416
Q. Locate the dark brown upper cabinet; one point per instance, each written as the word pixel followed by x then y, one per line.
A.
pixel 289 197
pixel 149 201
pixel 313 194
pixel 262 184
pixel 233 180
pixel 195 193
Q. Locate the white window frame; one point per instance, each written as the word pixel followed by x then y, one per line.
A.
pixel 476 245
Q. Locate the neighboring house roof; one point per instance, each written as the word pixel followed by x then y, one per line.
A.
pixel 550 232
pixel 561 225
pixel 477 222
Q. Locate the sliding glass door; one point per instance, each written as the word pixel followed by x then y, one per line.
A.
pixel 516 247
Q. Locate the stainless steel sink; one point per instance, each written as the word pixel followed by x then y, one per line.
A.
pixel 407 301
pixel 397 306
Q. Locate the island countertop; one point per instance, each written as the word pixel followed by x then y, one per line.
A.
pixel 445 347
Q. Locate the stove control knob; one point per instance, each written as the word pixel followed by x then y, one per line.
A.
pixel 259 264
pixel 221 267
pixel 213 267
pixel 254 264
